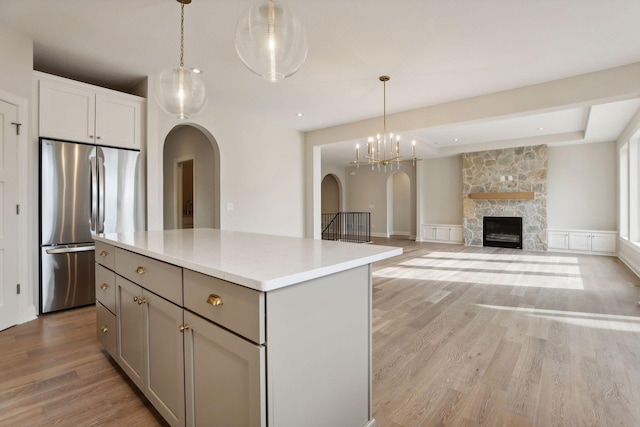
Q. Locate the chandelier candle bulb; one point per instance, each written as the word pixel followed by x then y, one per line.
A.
pixel 357 151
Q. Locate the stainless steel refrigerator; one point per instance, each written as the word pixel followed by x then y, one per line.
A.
pixel 84 189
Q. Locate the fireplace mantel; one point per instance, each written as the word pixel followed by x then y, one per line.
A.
pixel 520 195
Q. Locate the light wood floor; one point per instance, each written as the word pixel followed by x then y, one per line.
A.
pixel 462 337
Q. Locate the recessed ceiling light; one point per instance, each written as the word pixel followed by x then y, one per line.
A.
pixel 540 128
pixel 197 70
pixel 455 139
pixel 299 114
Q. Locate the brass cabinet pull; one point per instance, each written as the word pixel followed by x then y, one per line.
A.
pixel 104 329
pixel 214 300
pixel 140 270
pixel 183 328
pixel 135 299
pixel 104 286
pixel 104 253
pixel 141 300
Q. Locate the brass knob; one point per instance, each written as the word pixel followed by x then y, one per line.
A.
pixel 182 328
pixel 104 286
pixel 104 253
pixel 141 301
pixel 140 270
pixel 104 329
pixel 214 300
pixel 135 299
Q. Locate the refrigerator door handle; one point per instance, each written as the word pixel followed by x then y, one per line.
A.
pixel 71 250
pixel 102 195
pixel 94 194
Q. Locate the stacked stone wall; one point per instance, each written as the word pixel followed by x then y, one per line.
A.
pixel 506 170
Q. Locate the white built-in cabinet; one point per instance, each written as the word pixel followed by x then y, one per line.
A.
pixel 442 233
pixel 80 112
pixel 582 241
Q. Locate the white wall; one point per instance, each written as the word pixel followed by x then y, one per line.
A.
pixel 582 182
pixel 441 197
pixel 261 170
pixel 16 87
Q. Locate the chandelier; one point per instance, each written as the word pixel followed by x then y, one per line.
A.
pixel 384 149
pixel 270 40
pixel 180 91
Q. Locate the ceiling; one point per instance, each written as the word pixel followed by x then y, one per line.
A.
pixel 435 51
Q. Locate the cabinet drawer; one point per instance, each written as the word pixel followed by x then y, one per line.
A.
pixel 106 329
pixel 157 276
pixel 105 255
pixel 106 287
pixel 242 309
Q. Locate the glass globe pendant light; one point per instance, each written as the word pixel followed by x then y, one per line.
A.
pixel 270 41
pixel 180 91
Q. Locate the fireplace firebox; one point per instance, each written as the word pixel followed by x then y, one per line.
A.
pixel 502 231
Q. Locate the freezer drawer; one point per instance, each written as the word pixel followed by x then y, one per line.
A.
pixel 68 277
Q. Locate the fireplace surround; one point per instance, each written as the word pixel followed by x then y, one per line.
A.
pixel 502 231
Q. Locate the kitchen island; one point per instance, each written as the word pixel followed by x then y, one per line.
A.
pixel 221 328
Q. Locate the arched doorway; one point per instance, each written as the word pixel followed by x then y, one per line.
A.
pixel 191 179
pixel 330 194
pixel 399 205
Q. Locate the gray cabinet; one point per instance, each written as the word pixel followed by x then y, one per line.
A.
pixel 225 382
pixel 197 345
pixel 150 348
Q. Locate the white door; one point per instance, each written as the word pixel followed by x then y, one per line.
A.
pixel 8 215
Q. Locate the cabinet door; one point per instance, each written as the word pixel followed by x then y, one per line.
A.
pixel 442 233
pixel 130 318
pixel 66 111
pixel 455 234
pixel 164 384
pixel 558 240
pixel 225 380
pixel 428 232
pixel 580 241
pixel 604 242
pixel 118 121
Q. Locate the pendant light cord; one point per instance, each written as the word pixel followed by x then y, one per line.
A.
pixel 182 37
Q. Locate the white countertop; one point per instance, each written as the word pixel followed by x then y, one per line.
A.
pixel 258 261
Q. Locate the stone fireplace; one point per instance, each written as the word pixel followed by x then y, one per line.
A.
pixel 487 177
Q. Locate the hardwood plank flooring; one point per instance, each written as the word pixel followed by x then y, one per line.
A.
pixel 461 336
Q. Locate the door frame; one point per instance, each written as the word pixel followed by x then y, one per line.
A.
pixel 27 198
pixel 177 188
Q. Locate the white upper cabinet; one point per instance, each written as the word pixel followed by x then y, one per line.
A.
pixel 84 113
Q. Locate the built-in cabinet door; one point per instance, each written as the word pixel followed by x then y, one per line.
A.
pixel 229 387
pixel 118 121
pixel 428 232
pixel 558 240
pixel 164 385
pixel 455 234
pixel 67 111
pixel 603 242
pixel 442 233
pixel 131 337
pixel 580 241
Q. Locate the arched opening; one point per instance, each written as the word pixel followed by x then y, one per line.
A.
pixel 191 187
pixel 399 205
pixel 330 194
